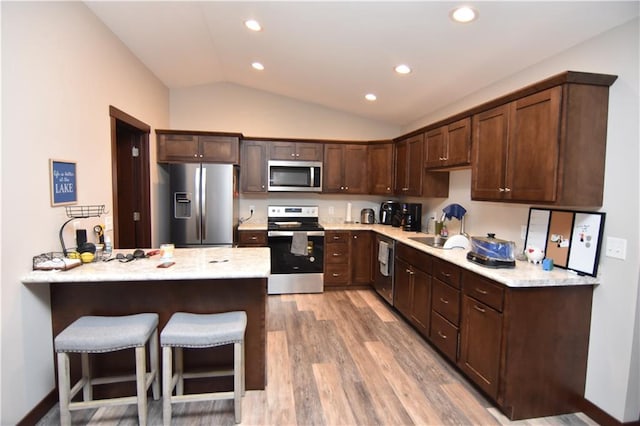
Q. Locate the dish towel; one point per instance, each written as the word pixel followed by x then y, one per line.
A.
pixel 454 210
pixel 299 243
pixel 383 258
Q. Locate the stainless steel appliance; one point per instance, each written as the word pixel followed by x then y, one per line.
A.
pixel 296 240
pixel 388 209
pixel 383 278
pixel 297 176
pixel 411 217
pixel 367 216
pixel 204 204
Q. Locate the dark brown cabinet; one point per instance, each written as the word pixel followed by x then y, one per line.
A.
pixel 252 238
pixel 408 166
pixel 412 287
pixel 300 151
pixel 347 258
pixel 360 255
pixel 381 169
pixel 197 147
pixel 253 166
pixel 532 148
pixel 445 308
pixel 448 146
pixel 345 169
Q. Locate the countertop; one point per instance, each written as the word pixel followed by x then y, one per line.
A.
pixel 190 264
pixel 525 274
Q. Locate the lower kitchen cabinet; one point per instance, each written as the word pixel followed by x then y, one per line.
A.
pixel 361 257
pixel 445 308
pixel 347 258
pixel 252 238
pixel 412 286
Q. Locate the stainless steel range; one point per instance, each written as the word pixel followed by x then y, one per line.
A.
pixel 296 240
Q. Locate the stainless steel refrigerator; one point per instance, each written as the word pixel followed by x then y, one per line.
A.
pixel 204 204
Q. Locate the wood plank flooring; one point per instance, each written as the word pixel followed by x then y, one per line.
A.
pixel 339 358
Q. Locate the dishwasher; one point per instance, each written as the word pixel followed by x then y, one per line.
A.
pixel 383 280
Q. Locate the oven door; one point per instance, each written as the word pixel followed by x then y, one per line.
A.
pixel 285 262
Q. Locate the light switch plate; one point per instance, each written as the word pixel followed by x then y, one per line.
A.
pixel 616 248
pixel 108 223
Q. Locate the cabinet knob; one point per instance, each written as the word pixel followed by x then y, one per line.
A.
pixel 346 188
pixel 355 237
pixel 292 154
pixel 342 187
pixel 195 155
pixel 201 155
pixel 262 186
pixel 388 189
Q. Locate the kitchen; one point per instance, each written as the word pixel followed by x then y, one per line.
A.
pixel 48 85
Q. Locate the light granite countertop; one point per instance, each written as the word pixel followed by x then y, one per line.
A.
pixel 190 264
pixel 525 274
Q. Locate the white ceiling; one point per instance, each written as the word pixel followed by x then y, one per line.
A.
pixel 333 53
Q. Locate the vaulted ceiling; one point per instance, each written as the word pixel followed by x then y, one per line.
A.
pixel 333 53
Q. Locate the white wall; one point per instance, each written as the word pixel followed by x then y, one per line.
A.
pixel 61 69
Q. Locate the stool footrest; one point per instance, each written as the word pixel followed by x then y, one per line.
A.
pixel 204 374
pixel 97 403
pixel 202 397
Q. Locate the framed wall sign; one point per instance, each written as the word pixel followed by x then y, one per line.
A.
pixel 573 239
pixel 64 182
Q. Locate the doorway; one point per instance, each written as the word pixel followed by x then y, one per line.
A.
pixel 130 181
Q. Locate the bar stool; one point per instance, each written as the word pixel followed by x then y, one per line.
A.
pixel 186 330
pixel 99 334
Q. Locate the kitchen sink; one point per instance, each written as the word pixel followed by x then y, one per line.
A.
pixel 435 242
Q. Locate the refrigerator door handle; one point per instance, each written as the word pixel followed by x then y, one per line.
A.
pixel 203 194
pixel 198 194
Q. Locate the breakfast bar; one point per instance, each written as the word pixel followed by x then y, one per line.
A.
pixel 201 280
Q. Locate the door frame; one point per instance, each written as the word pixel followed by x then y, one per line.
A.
pixel 144 190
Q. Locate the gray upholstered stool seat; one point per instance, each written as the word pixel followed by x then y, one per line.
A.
pixel 99 334
pixel 186 330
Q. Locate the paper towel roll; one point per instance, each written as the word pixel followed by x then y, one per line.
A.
pixel 348 217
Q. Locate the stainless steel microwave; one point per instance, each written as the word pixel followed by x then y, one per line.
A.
pixel 298 176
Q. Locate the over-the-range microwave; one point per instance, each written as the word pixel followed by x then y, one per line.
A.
pixel 298 176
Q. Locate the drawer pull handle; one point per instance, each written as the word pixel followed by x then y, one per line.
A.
pixel 445 301
pixel 335 275
pixel 336 254
pixel 336 238
pixel 481 291
pixel 254 238
pixel 479 309
pixel 441 334
pixel 445 274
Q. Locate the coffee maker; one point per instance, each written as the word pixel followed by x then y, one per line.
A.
pixel 388 210
pixel 411 217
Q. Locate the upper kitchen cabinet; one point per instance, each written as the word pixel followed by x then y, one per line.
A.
pixel 448 146
pixel 381 168
pixel 175 146
pixel 253 166
pixel 289 150
pixel 345 168
pixel 408 166
pixel 544 144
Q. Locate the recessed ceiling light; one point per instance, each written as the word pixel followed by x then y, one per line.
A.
pixel 370 97
pixel 257 66
pixel 464 14
pixel 403 69
pixel 253 25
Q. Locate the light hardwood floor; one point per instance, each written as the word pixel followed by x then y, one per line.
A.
pixel 339 358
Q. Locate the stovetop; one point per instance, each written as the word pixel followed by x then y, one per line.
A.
pixel 293 218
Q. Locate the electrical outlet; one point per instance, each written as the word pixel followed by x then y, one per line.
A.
pixel 523 232
pixel 332 210
pixel 252 209
pixel 616 248
pixel 108 223
pixel 76 225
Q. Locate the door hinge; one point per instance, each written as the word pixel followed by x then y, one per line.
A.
pixel 135 151
pixel 136 216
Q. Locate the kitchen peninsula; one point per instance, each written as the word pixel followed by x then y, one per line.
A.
pixel 202 280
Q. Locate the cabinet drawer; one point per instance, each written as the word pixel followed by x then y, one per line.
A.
pixel 483 290
pixel 446 272
pixel 446 301
pixel 252 238
pixel 416 258
pixel 336 237
pixel 337 253
pixel 444 335
pixel 336 274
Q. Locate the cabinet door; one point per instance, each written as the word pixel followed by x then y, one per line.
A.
pixel 253 170
pixel 489 148
pixel 415 166
pixel 280 150
pixel 355 169
pixel 309 151
pixel 360 257
pixel 434 147
pixel 381 169
pixel 181 148
pixel 400 168
pixel 332 178
pixel 421 301
pixel 458 147
pixel 402 287
pixel 480 346
pixel 534 126
pixel 218 149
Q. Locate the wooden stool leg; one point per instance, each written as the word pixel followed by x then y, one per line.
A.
pixel 237 380
pixel 153 355
pixel 87 389
pixel 179 371
pixel 167 389
pixel 64 387
pixel 141 388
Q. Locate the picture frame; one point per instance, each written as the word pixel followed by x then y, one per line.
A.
pixel 572 239
pixel 63 182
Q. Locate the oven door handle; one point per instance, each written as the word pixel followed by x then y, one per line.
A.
pixel 290 233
